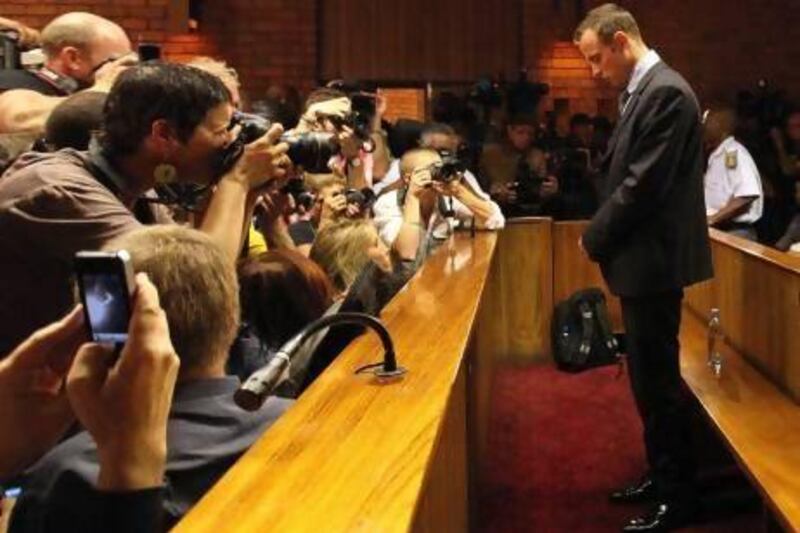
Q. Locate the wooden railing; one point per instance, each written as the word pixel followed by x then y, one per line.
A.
pixel 354 454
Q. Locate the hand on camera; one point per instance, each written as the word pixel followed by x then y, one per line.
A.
pixel 451 188
pixel 271 205
pixel 106 75
pixel 124 404
pixel 350 144
pixel 421 180
pixel 264 159
pixel 28 37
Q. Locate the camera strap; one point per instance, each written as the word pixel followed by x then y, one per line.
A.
pixel 64 85
pixel 102 170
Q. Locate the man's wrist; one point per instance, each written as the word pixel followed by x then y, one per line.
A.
pixel 132 467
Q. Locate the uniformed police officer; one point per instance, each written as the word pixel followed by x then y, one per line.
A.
pixel 733 192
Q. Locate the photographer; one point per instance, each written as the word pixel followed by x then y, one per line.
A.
pixel 433 200
pixel 364 156
pixel 36 409
pixel 198 291
pixel 82 51
pixel 516 170
pixel 162 123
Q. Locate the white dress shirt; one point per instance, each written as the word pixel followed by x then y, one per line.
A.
pixel 389 214
pixel 643 66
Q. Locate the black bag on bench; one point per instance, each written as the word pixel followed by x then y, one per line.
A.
pixel 581 332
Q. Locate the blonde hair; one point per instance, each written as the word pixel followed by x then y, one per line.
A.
pixel 217 68
pixel 197 287
pixel 317 182
pixel 342 249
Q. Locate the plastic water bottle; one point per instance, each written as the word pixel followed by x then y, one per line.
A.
pixel 715 339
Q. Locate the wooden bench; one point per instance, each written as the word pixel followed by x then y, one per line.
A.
pixel 753 404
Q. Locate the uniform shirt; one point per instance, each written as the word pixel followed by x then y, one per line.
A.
pixel 732 173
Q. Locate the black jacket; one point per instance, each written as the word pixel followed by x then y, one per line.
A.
pixel 650 233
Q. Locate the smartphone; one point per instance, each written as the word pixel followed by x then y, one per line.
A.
pixel 149 52
pixel 106 284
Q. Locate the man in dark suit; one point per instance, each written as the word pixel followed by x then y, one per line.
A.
pixel 650 238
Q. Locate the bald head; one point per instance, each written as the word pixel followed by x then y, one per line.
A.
pixel 417 158
pixel 76 43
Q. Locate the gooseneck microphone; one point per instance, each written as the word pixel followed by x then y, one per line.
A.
pixel 255 390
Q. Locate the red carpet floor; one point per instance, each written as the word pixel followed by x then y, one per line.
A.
pixel 558 444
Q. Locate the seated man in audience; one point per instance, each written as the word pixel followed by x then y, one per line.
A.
pixel 516 170
pixel 734 197
pixel 73 122
pixel 82 51
pixel 162 123
pixel 36 409
pixel 411 218
pixel 206 431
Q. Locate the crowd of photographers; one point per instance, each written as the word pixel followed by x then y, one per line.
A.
pixel 246 221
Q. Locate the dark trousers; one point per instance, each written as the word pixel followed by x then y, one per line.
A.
pixel 651 336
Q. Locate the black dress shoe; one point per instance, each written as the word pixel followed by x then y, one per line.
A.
pixel 643 491
pixel 662 517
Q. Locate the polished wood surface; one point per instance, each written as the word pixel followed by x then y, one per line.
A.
pixel 760 424
pixel 573 271
pixel 354 454
pixel 523 300
pixel 757 290
pixel 413 40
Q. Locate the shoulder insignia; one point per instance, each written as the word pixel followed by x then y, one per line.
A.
pixel 731 160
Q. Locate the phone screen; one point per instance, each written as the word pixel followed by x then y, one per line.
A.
pixel 107 307
pixel 105 293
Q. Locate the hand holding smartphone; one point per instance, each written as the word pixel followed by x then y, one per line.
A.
pixel 106 284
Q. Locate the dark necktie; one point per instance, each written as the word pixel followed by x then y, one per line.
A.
pixel 623 99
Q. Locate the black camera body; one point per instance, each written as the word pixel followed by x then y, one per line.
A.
pixel 312 151
pixel 449 169
pixel 363 198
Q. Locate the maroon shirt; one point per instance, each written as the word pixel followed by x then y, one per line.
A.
pixel 51 206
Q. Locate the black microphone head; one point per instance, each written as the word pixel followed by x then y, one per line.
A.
pixel 248 400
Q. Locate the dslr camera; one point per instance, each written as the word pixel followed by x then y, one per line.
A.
pixel 363 198
pixel 312 150
pixel 449 169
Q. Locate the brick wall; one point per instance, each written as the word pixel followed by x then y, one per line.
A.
pixel 267 41
pixel 719 46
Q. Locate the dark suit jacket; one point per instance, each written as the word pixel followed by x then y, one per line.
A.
pixel 206 434
pixel 650 233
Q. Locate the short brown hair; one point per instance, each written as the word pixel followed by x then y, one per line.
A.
pixel 197 287
pixel 606 21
